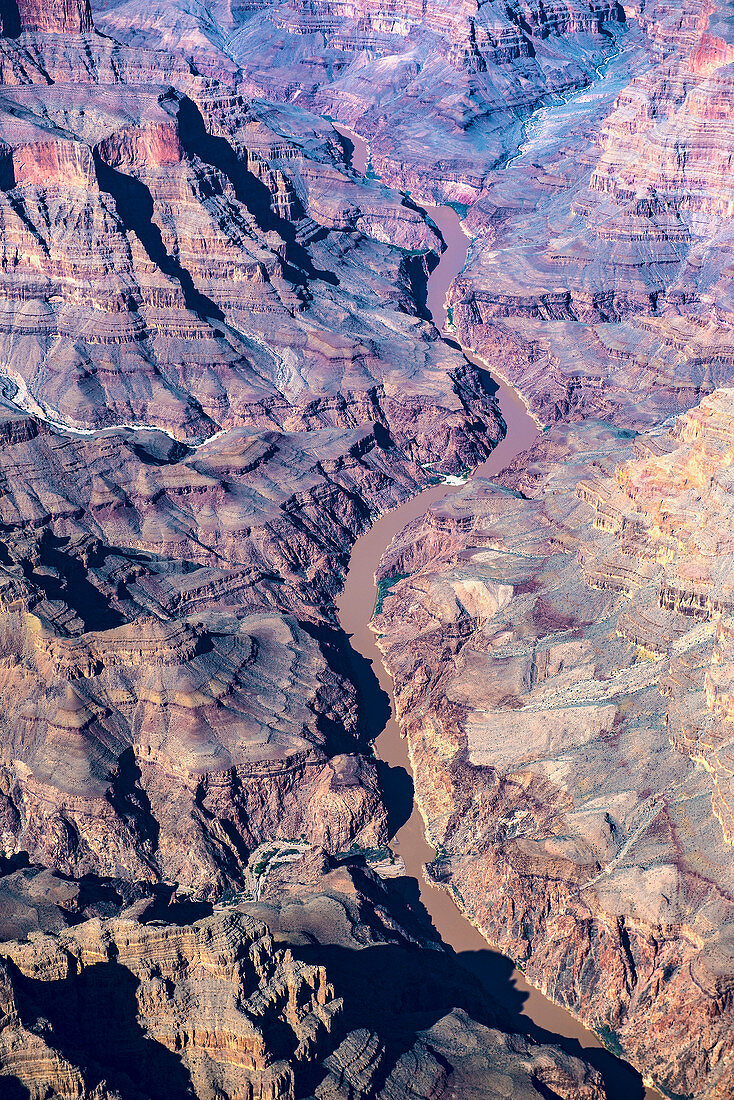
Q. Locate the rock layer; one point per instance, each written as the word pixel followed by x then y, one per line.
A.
pixel 243 1003
pixel 437 86
pixel 181 254
pixel 600 273
pixel 180 259
pixel 119 1008
pixel 559 646
pixel 63 17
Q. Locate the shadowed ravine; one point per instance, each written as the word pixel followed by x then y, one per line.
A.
pixel 538 1016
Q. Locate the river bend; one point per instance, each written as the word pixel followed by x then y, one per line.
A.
pixel 356 605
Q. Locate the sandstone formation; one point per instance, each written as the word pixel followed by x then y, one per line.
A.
pixel 560 648
pixel 217 368
pixel 214 372
pixel 600 273
pixel 62 17
pixel 222 1006
pixel 123 1009
pixel 181 260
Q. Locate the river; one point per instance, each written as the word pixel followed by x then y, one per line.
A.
pixel 355 608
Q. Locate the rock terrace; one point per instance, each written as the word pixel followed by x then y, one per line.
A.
pixel 560 649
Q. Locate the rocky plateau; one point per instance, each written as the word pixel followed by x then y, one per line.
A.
pixel 559 642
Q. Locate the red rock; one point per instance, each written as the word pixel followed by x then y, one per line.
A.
pixel 55 17
pixel 54 164
pixel 561 654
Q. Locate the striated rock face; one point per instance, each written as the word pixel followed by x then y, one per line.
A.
pixel 235 1005
pixel 560 646
pixel 435 85
pixel 164 712
pixel 59 17
pixel 120 1008
pixel 600 274
pixel 174 254
pixel 178 258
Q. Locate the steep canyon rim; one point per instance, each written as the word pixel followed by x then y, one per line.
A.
pixel 356 604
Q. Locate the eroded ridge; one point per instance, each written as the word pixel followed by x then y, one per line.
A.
pixel 560 644
pixel 287 997
pixel 213 378
pixel 217 370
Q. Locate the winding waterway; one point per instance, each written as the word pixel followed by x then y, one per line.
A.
pixel 356 606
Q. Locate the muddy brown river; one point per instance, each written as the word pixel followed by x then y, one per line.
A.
pixel 356 605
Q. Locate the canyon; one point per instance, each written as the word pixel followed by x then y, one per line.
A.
pixel 269 274
pixel 557 671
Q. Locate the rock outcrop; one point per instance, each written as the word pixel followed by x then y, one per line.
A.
pixel 600 273
pixel 439 88
pixel 213 377
pixel 235 1005
pixel 61 17
pixel 560 646
pixel 121 1009
pixel 216 369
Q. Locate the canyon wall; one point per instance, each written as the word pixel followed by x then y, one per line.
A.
pixel 222 300
pixel 240 1002
pixel 216 369
pixel 566 701
pixel 559 643
pixel 600 269
pixel 437 87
